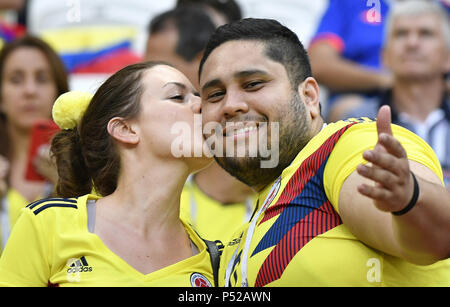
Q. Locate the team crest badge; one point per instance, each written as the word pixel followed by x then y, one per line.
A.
pixel 199 281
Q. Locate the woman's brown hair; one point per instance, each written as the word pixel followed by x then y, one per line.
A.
pixel 86 156
pixel 57 70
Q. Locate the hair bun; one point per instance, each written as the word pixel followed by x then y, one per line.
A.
pixel 69 108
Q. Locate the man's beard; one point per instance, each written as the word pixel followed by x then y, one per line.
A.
pixel 294 134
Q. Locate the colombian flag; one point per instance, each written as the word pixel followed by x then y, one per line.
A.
pixel 94 49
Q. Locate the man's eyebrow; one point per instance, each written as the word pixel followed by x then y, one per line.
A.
pixel 211 83
pixel 240 74
pixel 248 73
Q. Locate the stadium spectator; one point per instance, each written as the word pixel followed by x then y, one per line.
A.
pixel 417 52
pixel 220 11
pixel 178 37
pixel 31 78
pixel 11 20
pixel 345 53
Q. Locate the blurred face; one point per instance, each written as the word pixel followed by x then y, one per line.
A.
pixel 416 48
pixel 169 120
pixel 251 97
pixel 162 47
pixel 28 90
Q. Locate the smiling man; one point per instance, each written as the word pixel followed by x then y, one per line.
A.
pixel 266 85
pixel 324 216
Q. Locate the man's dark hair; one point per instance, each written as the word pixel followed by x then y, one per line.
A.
pixel 281 45
pixel 194 28
pixel 229 8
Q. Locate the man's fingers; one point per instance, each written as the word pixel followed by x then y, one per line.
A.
pixel 390 157
pixel 384 120
pixel 384 161
pixel 381 176
pixel 376 193
pixel 392 146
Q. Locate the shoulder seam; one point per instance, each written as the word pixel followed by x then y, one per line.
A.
pixel 34 204
pixel 60 205
pixel 40 205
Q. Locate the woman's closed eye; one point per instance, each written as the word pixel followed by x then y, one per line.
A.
pixel 177 97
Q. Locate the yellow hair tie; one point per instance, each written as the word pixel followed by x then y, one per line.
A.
pixel 69 108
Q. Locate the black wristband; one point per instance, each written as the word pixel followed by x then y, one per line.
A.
pixel 414 198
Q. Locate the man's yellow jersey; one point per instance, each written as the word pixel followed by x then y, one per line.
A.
pixel 51 245
pixel 212 219
pixel 297 237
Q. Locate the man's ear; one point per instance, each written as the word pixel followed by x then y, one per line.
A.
pixel 122 131
pixel 310 94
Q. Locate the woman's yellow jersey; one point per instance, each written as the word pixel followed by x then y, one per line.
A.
pixel 51 245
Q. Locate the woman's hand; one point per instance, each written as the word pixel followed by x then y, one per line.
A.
pixel 44 164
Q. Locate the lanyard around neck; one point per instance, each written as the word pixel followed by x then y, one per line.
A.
pixel 248 239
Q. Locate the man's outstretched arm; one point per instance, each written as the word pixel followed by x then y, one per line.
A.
pixel 371 194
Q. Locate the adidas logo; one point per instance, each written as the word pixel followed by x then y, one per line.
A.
pixel 78 266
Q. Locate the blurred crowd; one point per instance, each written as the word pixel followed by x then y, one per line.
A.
pixel 361 62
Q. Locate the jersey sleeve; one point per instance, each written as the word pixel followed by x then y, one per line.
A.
pixel 24 261
pixel 347 155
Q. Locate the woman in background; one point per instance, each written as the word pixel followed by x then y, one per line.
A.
pixel 32 76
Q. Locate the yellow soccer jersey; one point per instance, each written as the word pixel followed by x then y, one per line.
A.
pixel 297 237
pixel 12 204
pixel 51 245
pixel 210 218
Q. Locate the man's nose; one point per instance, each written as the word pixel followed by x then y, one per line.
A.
pixel 413 40
pixel 234 103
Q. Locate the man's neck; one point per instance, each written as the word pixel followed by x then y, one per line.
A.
pixel 418 99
